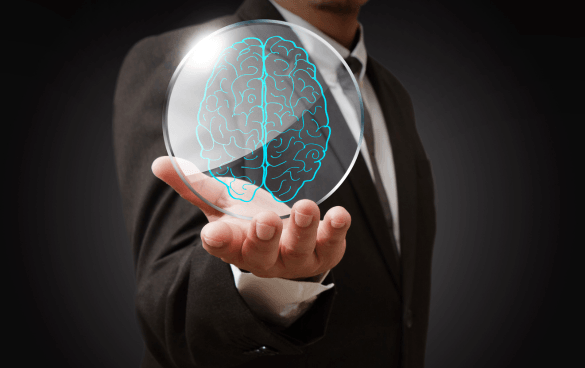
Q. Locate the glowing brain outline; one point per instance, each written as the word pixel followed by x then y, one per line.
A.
pixel 276 137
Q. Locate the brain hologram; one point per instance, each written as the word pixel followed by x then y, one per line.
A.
pixel 263 119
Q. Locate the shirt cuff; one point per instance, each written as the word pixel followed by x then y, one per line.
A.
pixel 278 301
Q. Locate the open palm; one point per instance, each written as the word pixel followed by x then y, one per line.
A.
pixel 298 247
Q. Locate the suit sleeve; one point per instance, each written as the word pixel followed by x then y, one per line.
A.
pixel 188 307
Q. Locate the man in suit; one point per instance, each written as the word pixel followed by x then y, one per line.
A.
pixel 368 260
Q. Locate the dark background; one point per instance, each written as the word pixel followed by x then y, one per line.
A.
pixel 495 87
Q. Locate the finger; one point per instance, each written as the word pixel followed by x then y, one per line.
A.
pixel 207 187
pixel 223 240
pixel 297 244
pixel 260 248
pixel 330 245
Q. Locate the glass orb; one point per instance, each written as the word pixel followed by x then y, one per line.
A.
pixel 262 114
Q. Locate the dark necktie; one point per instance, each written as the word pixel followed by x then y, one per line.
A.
pixel 355 65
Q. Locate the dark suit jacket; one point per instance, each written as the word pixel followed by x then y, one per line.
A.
pixel 189 310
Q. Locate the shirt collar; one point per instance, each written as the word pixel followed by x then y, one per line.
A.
pixel 359 51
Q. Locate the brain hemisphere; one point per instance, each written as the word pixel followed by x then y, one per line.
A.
pixel 264 118
pixel 230 115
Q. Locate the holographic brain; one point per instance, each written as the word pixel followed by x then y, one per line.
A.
pixel 263 119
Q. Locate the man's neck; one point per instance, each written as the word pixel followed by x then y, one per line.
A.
pixel 341 24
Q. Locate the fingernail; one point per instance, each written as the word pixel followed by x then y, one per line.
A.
pixel 303 220
pixel 337 225
pixel 264 232
pixel 213 243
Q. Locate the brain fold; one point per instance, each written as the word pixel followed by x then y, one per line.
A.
pixel 263 119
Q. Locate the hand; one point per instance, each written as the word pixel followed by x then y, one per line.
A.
pixel 295 248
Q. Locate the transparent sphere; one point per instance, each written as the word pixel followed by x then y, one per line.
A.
pixel 262 114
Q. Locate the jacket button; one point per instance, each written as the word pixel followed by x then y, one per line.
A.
pixel 408 318
pixel 263 351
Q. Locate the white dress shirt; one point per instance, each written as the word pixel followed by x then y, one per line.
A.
pixel 282 301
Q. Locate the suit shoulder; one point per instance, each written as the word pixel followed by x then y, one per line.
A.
pixel 173 44
pixel 158 56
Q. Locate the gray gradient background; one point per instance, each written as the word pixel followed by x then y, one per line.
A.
pixel 493 87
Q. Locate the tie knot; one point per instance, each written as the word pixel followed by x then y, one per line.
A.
pixel 355 65
pixel 344 79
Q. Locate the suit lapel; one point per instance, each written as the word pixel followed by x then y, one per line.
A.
pixel 370 202
pixel 405 168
